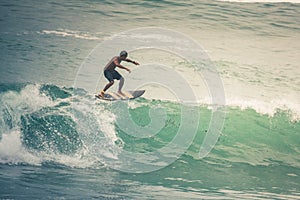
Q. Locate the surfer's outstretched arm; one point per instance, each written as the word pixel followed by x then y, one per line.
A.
pixel 132 61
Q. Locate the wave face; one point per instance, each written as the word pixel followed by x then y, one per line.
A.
pixel 58 128
pixel 43 124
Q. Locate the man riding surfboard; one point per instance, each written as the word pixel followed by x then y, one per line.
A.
pixel 110 73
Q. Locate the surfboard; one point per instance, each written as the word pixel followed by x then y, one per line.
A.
pixel 113 96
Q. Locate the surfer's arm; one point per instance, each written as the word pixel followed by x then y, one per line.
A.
pixel 121 66
pixel 132 61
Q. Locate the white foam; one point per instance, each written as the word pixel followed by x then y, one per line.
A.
pixel 17 104
pixel 13 152
pixel 99 136
pixel 106 122
pixel 70 33
pixel 28 100
pixel 267 108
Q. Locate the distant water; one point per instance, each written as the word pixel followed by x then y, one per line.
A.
pixel 57 142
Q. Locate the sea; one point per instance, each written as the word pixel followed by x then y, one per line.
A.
pixel 220 117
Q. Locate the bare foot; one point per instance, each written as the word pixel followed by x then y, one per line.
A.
pixel 121 93
pixel 101 95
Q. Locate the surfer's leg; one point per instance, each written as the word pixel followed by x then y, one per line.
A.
pixel 108 85
pixel 110 77
pixel 121 83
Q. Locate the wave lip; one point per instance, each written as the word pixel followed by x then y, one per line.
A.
pixel 268 108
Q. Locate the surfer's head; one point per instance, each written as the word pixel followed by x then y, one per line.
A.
pixel 124 54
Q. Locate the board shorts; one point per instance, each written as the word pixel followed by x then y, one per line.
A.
pixel 110 75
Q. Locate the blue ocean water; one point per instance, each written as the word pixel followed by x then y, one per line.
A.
pixel 58 142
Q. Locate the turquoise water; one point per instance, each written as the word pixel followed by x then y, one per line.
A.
pixel 44 152
pixel 58 142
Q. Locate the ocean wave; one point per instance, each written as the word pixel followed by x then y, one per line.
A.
pixel 47 123
pixel 37 126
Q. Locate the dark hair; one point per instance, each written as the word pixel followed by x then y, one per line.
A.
pixel 124 53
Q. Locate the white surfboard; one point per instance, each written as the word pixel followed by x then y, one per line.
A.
pixel 113 96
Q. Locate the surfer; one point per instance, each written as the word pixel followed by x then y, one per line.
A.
pixel 110 73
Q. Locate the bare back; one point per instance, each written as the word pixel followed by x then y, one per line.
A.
pixel 111 64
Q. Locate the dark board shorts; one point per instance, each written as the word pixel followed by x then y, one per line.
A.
pixel 111 75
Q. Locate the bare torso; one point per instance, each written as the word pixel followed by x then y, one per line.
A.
pixel 111 64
